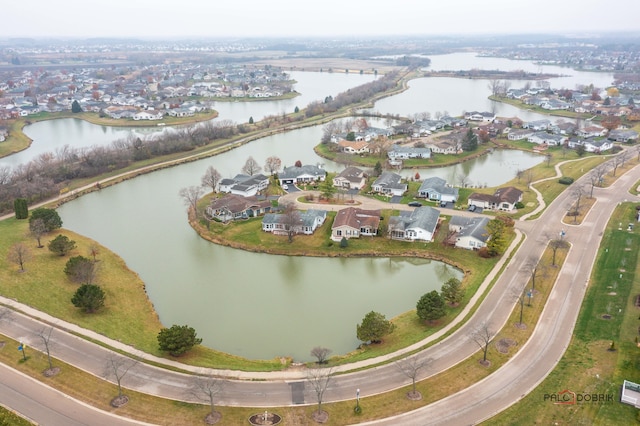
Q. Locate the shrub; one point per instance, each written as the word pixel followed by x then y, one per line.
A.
pixel 484 253
pixel 519 205
pixel 565 180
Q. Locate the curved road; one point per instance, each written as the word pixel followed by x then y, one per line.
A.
pixel 480 401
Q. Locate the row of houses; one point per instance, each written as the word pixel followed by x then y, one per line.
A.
pixel 418 225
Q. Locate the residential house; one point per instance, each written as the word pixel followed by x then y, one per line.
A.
pixel 516 135
pixel 436 189
pixel 479 116
pixel 303 174
pixel 622 135
pixel 244 185
pixel 389 183
pixel 547 138
pixel 235 207
pixel 469 232
pixel 444 146
pixel 148 115
pixel 353 223
pixel 420 224
pixel 310 220
pixel 592 132
pixel 354 147
pixel 537 125
pixel 397 152
pixel 350 178
pixel 602 145
pixel 504 199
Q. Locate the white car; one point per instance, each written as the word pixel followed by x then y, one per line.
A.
pixel 285 186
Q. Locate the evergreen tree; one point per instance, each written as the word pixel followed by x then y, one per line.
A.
pixel 50 218
pixel 377 169
pixel 21 208
pixel 470 141
pixel 374 327
pixel 250 120
pixel 178 339
pixel 89 297
pixel 61 245
pixel 430 307
pixel 452 291
pixel 75 107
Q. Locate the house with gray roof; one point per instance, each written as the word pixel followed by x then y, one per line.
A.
pixel 436 189
pixel 470 232
pixel 350 178
pixel 547 138
pixel 418 225
pixel 303 174
pixel 623 135
pixel 310 220
pixel 389 183
pixel 397 152
pixel 244 185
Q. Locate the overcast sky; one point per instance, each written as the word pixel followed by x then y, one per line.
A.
pixel 267 18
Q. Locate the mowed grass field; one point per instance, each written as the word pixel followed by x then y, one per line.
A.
pixel 609 315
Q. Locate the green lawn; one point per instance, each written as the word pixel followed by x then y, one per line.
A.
pixel 589 366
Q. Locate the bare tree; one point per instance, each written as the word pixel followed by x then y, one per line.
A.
pixel 190 195
pixel 251 167
pixel 519 295
pixel 19 254
pixel 463 179
pixel 556 244
pixel 410 367
pixel 206 389
pixel 576 196
pixel 37 228
pixel 94 251
pixel 319 379
pixel 290 219
pixel 45 336
pixel 529 177
pixel 272 164
pixel 321 354
pixel 211 178
pixel 483 335
pixel 535 270
pixel 618 161
pixel 596 176
pixel 118 367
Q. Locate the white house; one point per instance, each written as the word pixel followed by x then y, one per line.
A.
pixel 418 225
pixel 389 183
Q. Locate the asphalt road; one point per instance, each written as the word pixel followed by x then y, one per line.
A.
pixel 480 401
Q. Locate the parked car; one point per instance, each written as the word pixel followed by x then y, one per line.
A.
pixel 472 208
pixel 443 204
pixel 285 186
pixel 414 204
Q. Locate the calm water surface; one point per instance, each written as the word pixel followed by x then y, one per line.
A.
pixel 256 305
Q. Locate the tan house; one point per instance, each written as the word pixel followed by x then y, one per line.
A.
pixel 350 178
pixel 353 222
pixel 504 199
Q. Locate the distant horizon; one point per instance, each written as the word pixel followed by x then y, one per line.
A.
pixel 147 38
pixel 195 19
